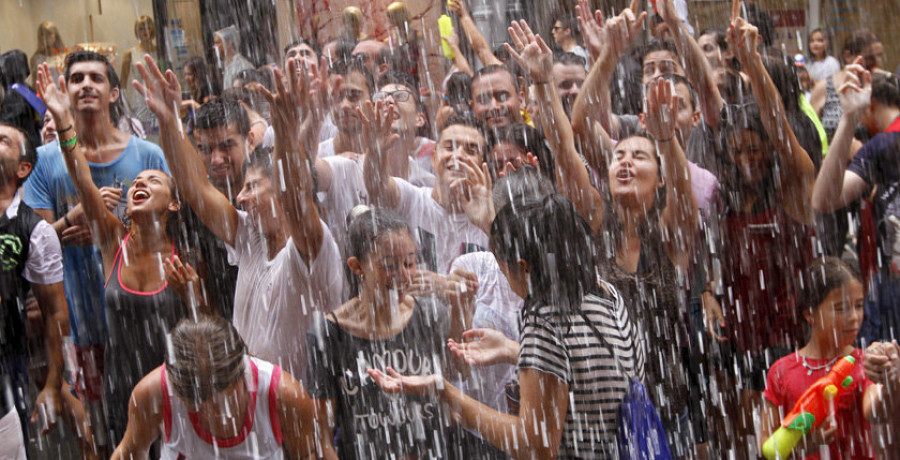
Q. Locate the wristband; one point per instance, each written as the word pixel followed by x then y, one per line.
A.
pixel 66 220
pixel 69 143
pixel 668 139
pixel 60 131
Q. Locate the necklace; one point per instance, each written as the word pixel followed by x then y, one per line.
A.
pixel 826 366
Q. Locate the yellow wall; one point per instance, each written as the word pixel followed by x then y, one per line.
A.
pixel 19 20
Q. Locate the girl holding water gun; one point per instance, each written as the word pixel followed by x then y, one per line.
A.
pixel 831 302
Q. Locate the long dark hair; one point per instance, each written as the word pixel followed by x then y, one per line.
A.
pixel 556 243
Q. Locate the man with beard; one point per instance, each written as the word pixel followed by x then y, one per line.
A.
pixel 497 99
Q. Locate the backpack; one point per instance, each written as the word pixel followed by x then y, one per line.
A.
pixel 641 435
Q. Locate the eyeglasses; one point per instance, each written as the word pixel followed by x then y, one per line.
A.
pixel 401 95
pixel 555 28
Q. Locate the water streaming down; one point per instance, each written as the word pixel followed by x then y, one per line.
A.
pixel 449 229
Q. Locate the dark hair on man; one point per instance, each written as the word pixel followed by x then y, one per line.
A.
pixel 658 45
pixel 568 21
pixel 886 89
pixel 260 158
pixel 303 41
pixel 348 66
pixel 492 69
pixel 343 50
pixel 222 113
pixel 465 120
pixel 556 243
pixel 459 88
pixel 566 58
pixel 720 34
pixel 501 53
pixel 527 139
pixel 117 108
pixel 369 224
pixel 403 79
pixel 28 152
pixel 856 43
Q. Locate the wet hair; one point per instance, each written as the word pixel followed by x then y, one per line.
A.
pixel 525 182
pixel 347 66
pixel 465 120
pixel 302 41
pixel 529 140
pixel 857 42
pixel 822 276
pixel 569 59
pixel 783 73
pixel 28 148
pixel 763 22
pixel 117 108
pixel 501 53
pixel 886 89
pixel 222 113
pixel 809 39
pixel 658 45
pixel 343 50
pixel 260 158
pixel 367 225
pixel 492 69
pixel 555 242
pixel 144 19
pixel 206 357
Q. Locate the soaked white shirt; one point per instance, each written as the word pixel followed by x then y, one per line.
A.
pixel 274 300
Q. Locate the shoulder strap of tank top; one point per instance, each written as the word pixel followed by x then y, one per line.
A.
pixel 115 268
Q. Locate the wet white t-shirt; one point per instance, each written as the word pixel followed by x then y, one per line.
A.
pixel 440 236
pixel 274 300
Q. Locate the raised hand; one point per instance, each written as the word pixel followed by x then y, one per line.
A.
pixel 184 280
pixel 661 110
pixel 882 363
pixel 855 93
pixel 592 27
pixel 476 193
pixel 458 7
pixel 416 385
pixel 667 11
pixel 285 103
pixel 531 52
pixel 55 97
pixel 484 347
pixel 621 30
pixel 162 93
pixel 742 37
pixel 376 121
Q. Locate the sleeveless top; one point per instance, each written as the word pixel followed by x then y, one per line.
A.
pixel 138 323
pixel 260 436
pixel 831 111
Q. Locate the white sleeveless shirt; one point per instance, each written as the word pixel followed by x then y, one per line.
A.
pixel 260 437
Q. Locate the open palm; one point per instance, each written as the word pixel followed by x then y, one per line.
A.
pixel 161 92
pixel 55 97
pixel 531 52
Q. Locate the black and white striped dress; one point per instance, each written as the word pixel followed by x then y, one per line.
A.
pixel 597 373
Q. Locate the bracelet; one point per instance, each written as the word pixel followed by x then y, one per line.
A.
pixel 60 131
pixel 668 139
pixel 66 220
pixel 69 143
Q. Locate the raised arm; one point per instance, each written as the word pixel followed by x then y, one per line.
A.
pixel 293 142
pixel 382 188
pixel 145 416
pixel 302 422
pixel 107 228
pixel 573 179
pixel 476 39
pixel 797 169
pixel 594 103
pixel 163 96
pixel 696 67
pixel 855 95
pixel 680 218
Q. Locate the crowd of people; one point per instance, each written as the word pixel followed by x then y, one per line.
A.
pixel 316 262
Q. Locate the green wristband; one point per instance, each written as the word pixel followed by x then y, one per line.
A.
pixel 69 143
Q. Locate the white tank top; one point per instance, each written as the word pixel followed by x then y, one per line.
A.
pixel 260 438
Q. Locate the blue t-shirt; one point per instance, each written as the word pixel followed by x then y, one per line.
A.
pixel 50 187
